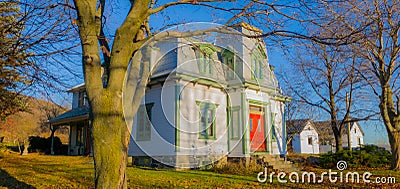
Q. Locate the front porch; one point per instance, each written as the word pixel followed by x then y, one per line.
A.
pixel 79 132
pixel 79 138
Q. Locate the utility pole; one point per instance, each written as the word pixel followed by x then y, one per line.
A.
pixel 348 123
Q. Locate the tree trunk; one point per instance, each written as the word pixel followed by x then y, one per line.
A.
pixel 394 140
pixel 391 120
pixel 110 142
pixel 338 142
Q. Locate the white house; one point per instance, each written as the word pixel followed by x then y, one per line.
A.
pixel 308 137
pixel 327 139
pixel 206 100
pixel 356 136
pixel 77 118
pixel 302 136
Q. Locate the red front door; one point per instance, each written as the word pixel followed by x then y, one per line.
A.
pixel 257 133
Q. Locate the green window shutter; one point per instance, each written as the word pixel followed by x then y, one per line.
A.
pixel 254 67
pixel 140 124
pixel 144 122
pixel 273 134
pixel 234 122
pixel 260 68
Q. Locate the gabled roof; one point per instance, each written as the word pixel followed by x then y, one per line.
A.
pixel 76 114
pixel 353 124
pixel 324 127
pixel 296 126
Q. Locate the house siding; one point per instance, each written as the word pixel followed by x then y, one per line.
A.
pixel 190 143
pixel 306 148
pixel 354 136
pixel 236 145
pixel 162 139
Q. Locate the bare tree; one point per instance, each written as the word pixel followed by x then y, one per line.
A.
pixel 374 26
pixel 326 74
pixel 380 49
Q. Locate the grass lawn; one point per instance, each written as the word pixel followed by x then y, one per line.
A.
pixel 41 171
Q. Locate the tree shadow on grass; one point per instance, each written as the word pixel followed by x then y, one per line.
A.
pixel 8 181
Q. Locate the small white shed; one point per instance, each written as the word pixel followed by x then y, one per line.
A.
pixel 303 137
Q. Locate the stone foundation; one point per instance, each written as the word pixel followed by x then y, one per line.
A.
pixel 179 162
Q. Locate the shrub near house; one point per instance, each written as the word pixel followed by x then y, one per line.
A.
pixel 369 156
pixel 41 144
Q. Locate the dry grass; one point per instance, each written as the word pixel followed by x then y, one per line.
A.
pixel 41 171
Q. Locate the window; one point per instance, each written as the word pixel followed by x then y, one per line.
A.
pixel 204 55
pixel 256 65
pixel 310 140
pixel 144 122
pixel 205 63
pixel 228 58
pixel 258 57
pixel 234 123
pixel 251 124
pixel 207 120
pixel 81 99
pixel 259 125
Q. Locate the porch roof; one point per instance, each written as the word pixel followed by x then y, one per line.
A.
pixel 72 115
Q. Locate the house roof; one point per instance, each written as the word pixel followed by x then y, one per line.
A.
pixel 76 114
pixel 296 126
pixel 77 87
pixel 324 127
pixel 247 26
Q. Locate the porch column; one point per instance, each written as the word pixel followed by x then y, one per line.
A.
pixel 69 139
pixel 284 145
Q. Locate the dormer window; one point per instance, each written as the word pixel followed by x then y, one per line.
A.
pixel 205 61
pixel 204 55
pixel 257 63
pixel 228 58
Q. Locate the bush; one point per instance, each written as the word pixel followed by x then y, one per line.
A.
pixel 237 168
pixel 41 144
pixel 370 156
